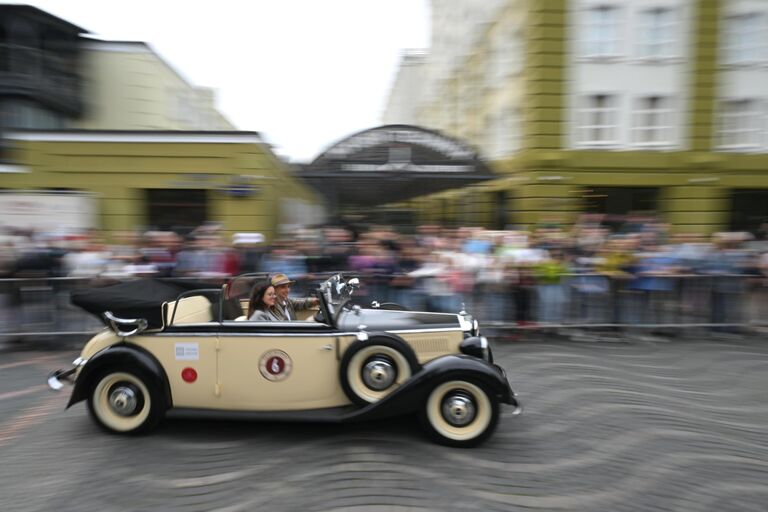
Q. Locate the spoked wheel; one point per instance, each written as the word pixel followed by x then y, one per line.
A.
pixel 123 403
pixel 372 370
pixel 460 413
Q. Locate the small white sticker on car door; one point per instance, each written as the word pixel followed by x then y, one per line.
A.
pixel 187 351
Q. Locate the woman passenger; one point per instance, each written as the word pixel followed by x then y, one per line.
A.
pixel 262 299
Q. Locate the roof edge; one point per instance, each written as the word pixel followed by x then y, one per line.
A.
pixel 137 136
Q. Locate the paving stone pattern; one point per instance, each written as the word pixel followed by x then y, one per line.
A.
pixel 631 426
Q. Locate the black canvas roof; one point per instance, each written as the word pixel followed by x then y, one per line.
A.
pixel 142 298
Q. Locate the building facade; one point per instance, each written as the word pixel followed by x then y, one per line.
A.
pixel 611 107
pixel 129 86
pixel 404 94
pixel 40 60
pixel 114 123
pixel 145 180
pixel 52 77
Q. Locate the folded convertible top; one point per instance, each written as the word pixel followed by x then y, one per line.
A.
pixel 142 298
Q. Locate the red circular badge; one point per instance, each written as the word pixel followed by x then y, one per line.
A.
pixel 275 365
pixel 189 375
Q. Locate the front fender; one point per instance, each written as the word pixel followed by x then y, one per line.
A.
pixel 123 356
pixel 412 395
pixel 473 368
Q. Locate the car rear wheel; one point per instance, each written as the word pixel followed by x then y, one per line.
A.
pixel 460 413
pixel 123 403
pixel 373 369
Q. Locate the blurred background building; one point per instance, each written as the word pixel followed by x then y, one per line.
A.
pixel 129 86
pixel 111 129
pixel 406 92
pixel 611 107
pixel 40 58
pixel 365 171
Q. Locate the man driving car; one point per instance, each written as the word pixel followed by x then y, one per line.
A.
pixel 285 308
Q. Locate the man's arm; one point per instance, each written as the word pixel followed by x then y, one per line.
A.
pixel 303 304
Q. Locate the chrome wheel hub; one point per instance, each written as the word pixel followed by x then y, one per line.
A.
pixel 379 373
pixel 124 400
pixel 459 409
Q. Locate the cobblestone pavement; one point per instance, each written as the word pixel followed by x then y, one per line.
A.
pixel 631 426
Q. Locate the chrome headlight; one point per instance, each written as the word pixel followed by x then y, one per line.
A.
pixel 477 346
pixel 469 325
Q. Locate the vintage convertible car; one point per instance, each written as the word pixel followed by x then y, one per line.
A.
pixel 193 349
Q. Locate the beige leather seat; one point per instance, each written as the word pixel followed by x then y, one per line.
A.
pixel 190 310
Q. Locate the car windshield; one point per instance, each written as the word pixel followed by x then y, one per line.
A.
pixel 336 291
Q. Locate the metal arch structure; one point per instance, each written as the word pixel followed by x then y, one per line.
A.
pixel 392 163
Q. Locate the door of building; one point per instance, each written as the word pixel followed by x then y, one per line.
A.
pixel 749 209
pixel 616 203
pixel 179 210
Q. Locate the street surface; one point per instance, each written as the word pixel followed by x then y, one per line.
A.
pixel 614 426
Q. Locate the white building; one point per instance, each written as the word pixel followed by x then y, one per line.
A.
pixel 128 86
pixel 743 89
pixel 629 65
pixel 405 93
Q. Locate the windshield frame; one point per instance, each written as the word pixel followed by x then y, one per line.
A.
pixel 334 294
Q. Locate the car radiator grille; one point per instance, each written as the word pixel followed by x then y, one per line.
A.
pixel 430 345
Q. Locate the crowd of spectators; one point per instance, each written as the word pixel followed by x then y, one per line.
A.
pixel 588 272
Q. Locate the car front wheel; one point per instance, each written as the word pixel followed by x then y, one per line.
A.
pixel 372 370
pixel 460 413
pixel 123 403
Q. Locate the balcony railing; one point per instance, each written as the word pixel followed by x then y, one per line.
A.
pixel 47 77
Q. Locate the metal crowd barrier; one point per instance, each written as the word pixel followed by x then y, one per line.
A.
pixel 40 308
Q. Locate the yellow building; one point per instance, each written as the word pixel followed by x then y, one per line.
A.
pixel 115 125
pixel 609 107
pixel 166 180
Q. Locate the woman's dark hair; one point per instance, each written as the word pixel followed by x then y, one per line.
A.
pixel 257 297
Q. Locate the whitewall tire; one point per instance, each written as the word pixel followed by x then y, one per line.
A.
pixel 460 413
pixel 372 371
pixel 122 402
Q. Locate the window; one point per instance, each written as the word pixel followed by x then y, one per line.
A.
pixel 502 131
pixel 516 52
pixel 656 34
pixel 27 115
pixel 652 121
pixel 400 155
pixel 501 135
pixel 740 124
pixel 506 56
pixel 182 107
pixel 744 39
pixel 491 66
pixel 601 32
pixel 597 120
pixel 502 206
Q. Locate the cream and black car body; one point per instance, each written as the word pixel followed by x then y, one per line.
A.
pixel 195 351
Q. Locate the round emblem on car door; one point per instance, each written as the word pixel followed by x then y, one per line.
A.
pixel 275 365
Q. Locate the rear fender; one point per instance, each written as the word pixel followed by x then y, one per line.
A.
pixel 124 356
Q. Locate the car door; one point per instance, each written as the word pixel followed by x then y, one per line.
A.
pixel 278 366
pixel 187 351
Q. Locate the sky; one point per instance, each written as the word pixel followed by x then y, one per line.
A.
pixel 303 73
